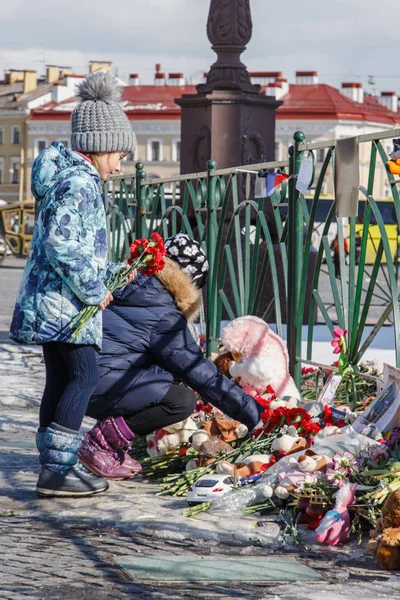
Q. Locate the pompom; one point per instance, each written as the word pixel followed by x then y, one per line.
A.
pixel 99 86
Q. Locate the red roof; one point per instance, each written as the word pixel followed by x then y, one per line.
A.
pixel 312 101
pixel 322 101
pixel 155 94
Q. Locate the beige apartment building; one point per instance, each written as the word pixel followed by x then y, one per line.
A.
pixel 35 111
pixel 21 93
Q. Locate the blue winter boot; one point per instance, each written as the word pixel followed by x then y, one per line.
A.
pixel 61 475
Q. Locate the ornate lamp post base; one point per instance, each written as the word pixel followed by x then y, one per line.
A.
pixel 228 120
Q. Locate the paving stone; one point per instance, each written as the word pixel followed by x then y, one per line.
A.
pixel 65 549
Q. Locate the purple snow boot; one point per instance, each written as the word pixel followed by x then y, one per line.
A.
pixel 123 444
pixel 104 449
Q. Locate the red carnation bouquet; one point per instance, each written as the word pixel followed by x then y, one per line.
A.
pixel 147 256
pixel 275 419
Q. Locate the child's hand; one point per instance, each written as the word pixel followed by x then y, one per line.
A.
pixel 109 298
pixel 131 276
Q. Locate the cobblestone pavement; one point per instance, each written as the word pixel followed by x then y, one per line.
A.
pixel 69 548
pixel 43 560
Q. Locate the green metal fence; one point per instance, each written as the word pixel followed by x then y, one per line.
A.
pixel 260 250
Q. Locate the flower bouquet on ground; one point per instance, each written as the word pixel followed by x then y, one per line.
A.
pixel 146 256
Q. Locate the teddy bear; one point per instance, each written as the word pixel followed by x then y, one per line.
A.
pixel 311 462
pixel 260 358
pixel 288 443
pixel 393 165
pixel 213 439
pixel 170 437
pixel 385 538
pixel 222 361
pixel 225 429
pixel 250 465
pixel 209 448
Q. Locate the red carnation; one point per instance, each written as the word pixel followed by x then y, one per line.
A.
pixel 310 428
pixel 156 237
pixel 307 370
pixel 327 412
pixel 137 248
pixel 258 432
pixel 266 416
pixel 199 406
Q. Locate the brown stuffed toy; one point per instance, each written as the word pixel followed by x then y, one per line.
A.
pixel 249 466
pixel 385 539
pixel 209 448
pixel 288 443
pixel 222 362
pixel 227 430
pixel 213 439
pixel 311 462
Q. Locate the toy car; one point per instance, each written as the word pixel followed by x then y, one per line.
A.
pixel 209 487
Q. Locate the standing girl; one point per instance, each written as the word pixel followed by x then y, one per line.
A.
pixel 65 271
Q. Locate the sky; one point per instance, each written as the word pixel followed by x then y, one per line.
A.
pixel 344 40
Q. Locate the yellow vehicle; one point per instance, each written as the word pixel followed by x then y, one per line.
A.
pixel 16 226
pixel 387 210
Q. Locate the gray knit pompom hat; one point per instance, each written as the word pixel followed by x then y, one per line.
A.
pixel 98 122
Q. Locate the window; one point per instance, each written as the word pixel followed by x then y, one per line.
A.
pixel 14 170
pixel 1 170
pixel 16 134
pixel 40 145
pixel 64 143
pixel 130 157
pixel 176 150
pixel 154 150
pixel 1 134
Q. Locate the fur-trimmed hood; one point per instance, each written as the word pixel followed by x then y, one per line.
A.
pixel 179 284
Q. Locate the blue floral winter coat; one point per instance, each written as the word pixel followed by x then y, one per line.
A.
pixel 147 342
pixel 67 263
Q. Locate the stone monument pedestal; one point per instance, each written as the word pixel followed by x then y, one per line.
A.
pixel 232 127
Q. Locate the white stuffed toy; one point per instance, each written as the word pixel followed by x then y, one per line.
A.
pixel 261 358
pixel 171 437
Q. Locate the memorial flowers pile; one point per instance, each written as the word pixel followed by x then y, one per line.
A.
pixel 146 256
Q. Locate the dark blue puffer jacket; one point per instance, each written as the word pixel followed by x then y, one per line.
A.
pixel 146 343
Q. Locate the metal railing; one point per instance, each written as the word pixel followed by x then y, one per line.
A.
pixel 262 259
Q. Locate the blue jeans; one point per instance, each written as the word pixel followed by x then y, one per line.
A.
pixel 71 378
